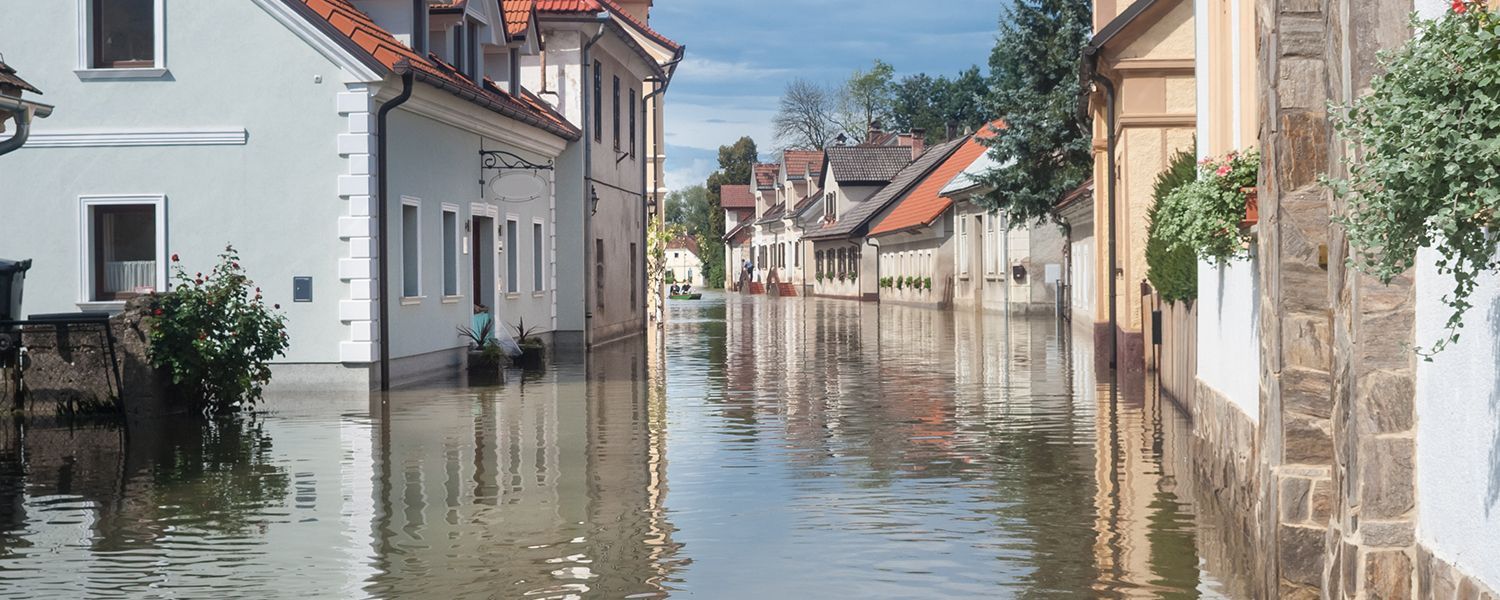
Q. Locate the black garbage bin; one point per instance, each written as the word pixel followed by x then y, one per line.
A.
pixel 12 280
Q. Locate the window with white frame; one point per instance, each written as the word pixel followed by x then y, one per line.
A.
pixel 119 35
pixel 512 256
pixel 991 245
pixel 124 247
pixel 411 248
pixel 963 248
pixel 830 206
pixel 450 250
pixel 538 282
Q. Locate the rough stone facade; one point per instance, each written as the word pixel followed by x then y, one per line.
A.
pixel 70 367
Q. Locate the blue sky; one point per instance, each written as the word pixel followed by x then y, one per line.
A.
pixel 741 54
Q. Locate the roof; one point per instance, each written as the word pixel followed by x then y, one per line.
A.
pixel 380 49
pixel 8 77
pixel 1082 192
pixel 970 177
pixel 517 16
pixel 773 215
pixel 806 202
pixel 849 223
pixel 684 242
pixel 801 161
pixel 926 203
pixel 1111 30
pixel 765 175
pixel 736 196
pixel 738 229
pixel 614 8
pixel 867 164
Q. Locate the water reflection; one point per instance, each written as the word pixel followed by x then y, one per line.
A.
pixel 799 448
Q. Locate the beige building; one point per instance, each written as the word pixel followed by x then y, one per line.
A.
pixel 1144 106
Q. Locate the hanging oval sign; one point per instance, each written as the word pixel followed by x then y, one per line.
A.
pixel 518 185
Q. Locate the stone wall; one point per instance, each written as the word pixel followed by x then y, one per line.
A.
pixel 71 367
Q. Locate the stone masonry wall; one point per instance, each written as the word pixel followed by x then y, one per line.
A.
pixel 70 367
pixel 1296 432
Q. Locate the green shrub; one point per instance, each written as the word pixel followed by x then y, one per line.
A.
pixel 1171 268
pixel 215 336
pixel 1429 139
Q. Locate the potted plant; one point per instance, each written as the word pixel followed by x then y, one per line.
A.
pixel 484 350
pixel 927 283
pixel 533 350
pixel 1424 173
pixel 899 282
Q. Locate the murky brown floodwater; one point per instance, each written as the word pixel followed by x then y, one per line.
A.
pixel 779 449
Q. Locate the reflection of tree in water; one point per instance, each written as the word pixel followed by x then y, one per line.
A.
pixel 210 475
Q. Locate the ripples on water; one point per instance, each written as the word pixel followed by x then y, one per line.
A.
pixel 777 448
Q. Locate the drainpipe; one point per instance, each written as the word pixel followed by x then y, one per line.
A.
pixel 382 215
pixel 23 111
pixel 1108 87
pixel 874 243
pixel 589 192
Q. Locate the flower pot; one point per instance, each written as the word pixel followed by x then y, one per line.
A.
pixel 1252 207
pixel 532 358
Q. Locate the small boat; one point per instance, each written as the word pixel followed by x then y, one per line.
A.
pixel 694 296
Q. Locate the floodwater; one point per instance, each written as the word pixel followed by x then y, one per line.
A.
pixel 778 448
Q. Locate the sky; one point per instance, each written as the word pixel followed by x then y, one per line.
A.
pixel 740 56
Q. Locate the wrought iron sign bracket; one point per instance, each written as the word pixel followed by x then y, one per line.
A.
pixel 500 160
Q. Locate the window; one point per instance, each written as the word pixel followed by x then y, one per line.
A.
pixel 842 262
pixel 450 250
pixel 963 247
pixel 537 273
pixel 632 275
pixel 512 257
pixel 796 257
pixel 632 123
pixel 122 34
pixel 617 114
pixel 854 263
pixel 125 247
pixel 411 244
pixel 598 102
pixel 830 206
pixel 599 273
pixel 818 261
pixel 991 245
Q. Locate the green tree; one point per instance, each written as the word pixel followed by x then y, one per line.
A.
pixel 692 209
pixel 922 101
pixel 1035 87
pixel 865 99
pixel 736 166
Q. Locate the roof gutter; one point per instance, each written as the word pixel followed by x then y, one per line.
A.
pixel 382 214
pixel 24 111
pixel 404 68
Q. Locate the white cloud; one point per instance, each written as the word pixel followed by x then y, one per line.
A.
pixel 707 126
pixel 709 70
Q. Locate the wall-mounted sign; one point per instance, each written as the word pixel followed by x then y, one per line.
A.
pixel 518 186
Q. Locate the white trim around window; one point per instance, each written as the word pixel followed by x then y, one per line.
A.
pixel 86 206
pixel 85 67
pixel 453 295
pixel 539 257
pixel 510 236
pixel 411 252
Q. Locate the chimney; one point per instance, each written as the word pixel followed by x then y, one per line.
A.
pixel 952 131
pixel 872 132
pixel 916 140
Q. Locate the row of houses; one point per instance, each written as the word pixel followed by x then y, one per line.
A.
pixel 890 219
pixel 387 169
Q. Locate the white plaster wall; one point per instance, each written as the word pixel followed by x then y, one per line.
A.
pixel 275 197
pixel 1229 331
pixel 1458 427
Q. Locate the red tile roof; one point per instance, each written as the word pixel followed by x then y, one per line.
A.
pixel 684 242
pixel 765 175
pixel 736 196
pixel 383 48
pixel 739 231
pixel 799 162
pixel 925 203
pixel 597 6
pixel 517 16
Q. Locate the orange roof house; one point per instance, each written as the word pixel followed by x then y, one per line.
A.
pixel 926 203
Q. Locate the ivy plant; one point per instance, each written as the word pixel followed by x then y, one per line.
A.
pixel 1427 170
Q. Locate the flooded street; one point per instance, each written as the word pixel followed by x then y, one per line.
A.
pixel 793 448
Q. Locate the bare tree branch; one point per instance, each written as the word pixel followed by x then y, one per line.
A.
pixel 805 118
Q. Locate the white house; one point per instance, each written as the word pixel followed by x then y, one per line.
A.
pixel 605 69
pixel 261 124
pixel 738 203
pixel 683 264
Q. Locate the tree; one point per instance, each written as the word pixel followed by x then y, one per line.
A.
pixel 1035 87
pixel 865 99
pixel 805 117
pixel 736 166
pixel 934 103
pixel 692 209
